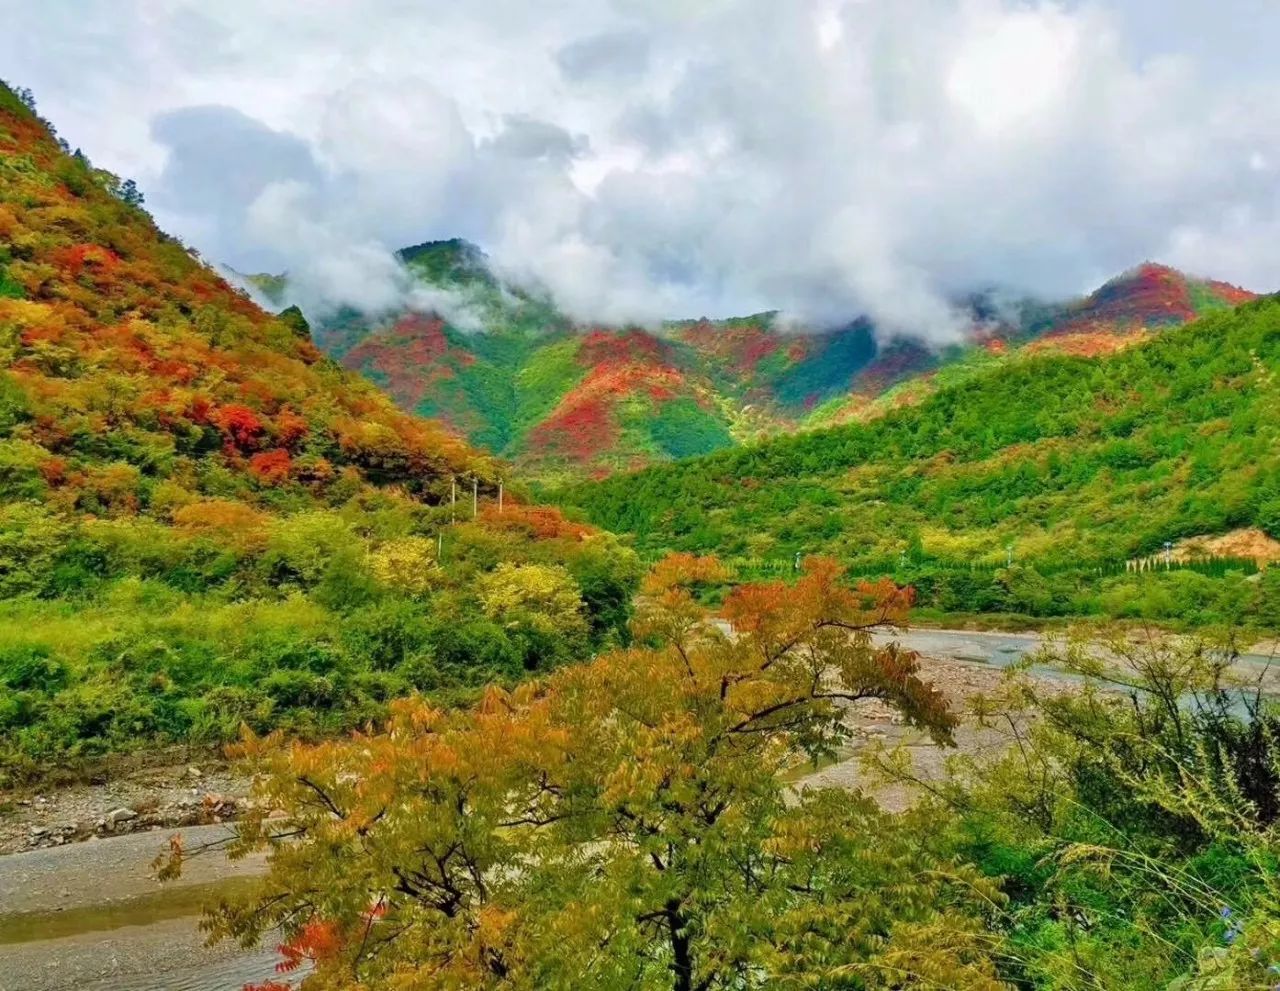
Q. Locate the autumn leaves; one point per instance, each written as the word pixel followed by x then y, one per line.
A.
pixel 619 823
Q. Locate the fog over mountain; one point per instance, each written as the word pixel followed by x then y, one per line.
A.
pixel 666 158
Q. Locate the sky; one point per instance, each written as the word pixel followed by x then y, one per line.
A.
pixel 644 159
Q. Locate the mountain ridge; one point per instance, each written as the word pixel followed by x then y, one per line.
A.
pixel 534 387
pixel 1030 486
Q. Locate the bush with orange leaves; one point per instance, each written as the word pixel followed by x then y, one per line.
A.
pixel 540 522
pixel 622 823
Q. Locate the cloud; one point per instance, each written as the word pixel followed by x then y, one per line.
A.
pixel 524 137
pixel 329 211
pixel 339 270
pixel 219 161
pixel 610 58
pixel 335 269
pixel 651 159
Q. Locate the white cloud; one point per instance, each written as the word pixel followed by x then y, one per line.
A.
pixel 645 159
pixel 1013 68
pixel 340 270
pixel 335 268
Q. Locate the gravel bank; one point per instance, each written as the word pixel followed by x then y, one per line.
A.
pixel 157 797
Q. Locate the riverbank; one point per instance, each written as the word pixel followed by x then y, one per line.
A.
pixel 91 917
pixel 173 794
pixel 143 799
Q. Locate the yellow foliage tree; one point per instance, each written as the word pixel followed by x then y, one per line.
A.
pixel 407 565
pixel 541 598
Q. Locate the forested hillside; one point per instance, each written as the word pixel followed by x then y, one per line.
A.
pixel 1123 312
pixel 1024 489
pixel 528 384
pixel 513 375
pixel 205 522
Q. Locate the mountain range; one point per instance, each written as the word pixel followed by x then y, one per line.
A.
pixel 514 375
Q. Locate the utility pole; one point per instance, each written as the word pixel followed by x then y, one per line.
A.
pixel 453 501
pixel 1008 556
pixel 439 547
pixel 1168 553
pixel 475 497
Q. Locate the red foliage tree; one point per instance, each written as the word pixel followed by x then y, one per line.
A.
pixel 542 522
pixel 241 425
pixel 318 940
pixel 271 467
pixel 290 428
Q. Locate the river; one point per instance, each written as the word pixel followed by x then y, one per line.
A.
pixel 1004 649
pixel 90 917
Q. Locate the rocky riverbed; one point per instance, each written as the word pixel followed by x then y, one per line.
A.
pixel 144 800
pixel 874 724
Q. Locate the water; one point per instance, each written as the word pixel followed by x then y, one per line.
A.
pixel 997 649
pixel 1005 649
pixel 161 905
pixel 165 956
pixel 90 917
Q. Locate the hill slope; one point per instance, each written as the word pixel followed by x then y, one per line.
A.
pixel 1067 465
pixel 205 522
pixel 565 401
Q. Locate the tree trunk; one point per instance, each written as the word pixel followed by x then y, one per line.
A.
pixel 681 959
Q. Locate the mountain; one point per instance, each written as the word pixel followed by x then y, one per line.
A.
pixel 510 373
pixel 1122 312
pixel 1149 296
pixel 1039 485
pixel 128 364
pixel 206 523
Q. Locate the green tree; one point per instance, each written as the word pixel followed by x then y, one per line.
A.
pixel 130 194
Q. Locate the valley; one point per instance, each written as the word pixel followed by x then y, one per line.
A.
pixel 495 648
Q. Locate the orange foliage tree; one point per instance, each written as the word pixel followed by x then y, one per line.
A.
pixel 623 823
